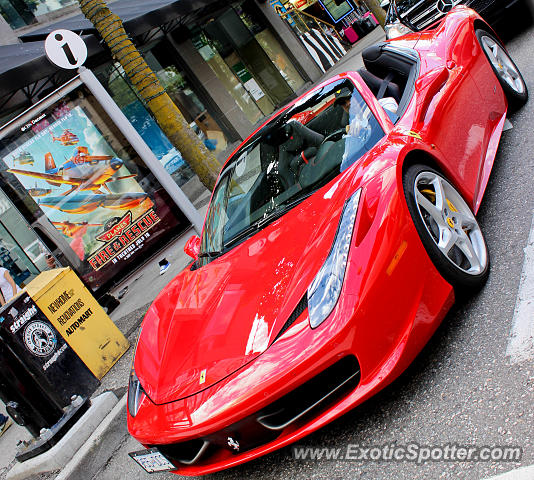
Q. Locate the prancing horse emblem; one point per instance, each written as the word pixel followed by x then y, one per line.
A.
pixel 233 444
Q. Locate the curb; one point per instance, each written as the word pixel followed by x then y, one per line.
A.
pixel 523 473
pixel 62 452
pixel 93 441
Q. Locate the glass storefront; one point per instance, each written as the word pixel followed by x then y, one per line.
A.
pixel 199 117
pixel 19 13
pixel 229 79
pixel 113 78
pixel 181 91
pixel 248 59
pixel 248 13
pixel 21 251
pixel 85 190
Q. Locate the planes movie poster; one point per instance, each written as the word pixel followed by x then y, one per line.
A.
pixel 83 187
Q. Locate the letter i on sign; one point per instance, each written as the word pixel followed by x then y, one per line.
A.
pixel 65 49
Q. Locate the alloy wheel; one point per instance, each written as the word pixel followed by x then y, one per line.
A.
pixel 450 223
pixel 503 64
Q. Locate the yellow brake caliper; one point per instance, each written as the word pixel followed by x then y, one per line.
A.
pixel 432 197
pixel 451 206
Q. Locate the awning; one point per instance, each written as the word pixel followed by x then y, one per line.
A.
pixel 23 64
pixel 138 16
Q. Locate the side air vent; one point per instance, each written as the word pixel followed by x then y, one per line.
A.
pixel 299 310
pixel 324 388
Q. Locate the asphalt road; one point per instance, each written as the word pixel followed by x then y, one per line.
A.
pixel 461 389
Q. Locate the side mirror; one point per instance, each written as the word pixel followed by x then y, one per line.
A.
pixel 192 247
pixel 384 4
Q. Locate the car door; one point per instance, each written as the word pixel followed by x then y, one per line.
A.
pixel 455 117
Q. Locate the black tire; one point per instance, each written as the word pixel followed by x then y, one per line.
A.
pixel 450 267
pixel 515 96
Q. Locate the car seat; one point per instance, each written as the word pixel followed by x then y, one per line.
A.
pixel 381 87
pixel 299 148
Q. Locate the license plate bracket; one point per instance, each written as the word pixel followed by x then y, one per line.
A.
pixel 152 460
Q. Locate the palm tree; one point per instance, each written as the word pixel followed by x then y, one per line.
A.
pixel 167 115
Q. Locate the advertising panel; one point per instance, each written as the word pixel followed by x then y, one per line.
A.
pixel 82 186
pixel 81 174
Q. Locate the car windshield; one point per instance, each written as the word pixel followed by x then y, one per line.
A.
pixel 286 161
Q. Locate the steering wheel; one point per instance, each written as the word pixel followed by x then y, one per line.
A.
pixel 334 136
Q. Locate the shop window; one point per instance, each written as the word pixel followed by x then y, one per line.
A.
pixel 255 23
pixel 114 79
pixel 248 60
pixel 19 13
pixel 239 92
pixel 16 13
pixel 195 112
pixel 42 7
pixel 21 252
pixel 245 56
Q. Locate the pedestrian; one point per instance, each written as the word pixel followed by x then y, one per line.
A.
pixel 8 287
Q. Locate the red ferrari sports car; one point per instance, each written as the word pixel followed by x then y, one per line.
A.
pixel 334 241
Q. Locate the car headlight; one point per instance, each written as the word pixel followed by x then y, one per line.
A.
pixel 135 393
pixel 325 289
pixel 397 29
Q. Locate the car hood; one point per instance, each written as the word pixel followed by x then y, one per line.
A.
pixel 209 322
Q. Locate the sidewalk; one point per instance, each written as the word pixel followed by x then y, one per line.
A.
pixel 136 294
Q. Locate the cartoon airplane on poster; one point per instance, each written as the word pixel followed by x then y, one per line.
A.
pixel 75 231
pixel 24 158
pixel 72 229
pixel 38 191
pixel 82 171
pixel 89 202
pixel 67 138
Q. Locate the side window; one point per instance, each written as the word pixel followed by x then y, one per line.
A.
pixel 363 131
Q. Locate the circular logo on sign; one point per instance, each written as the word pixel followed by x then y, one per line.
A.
pixel 40 339
pixel 65 49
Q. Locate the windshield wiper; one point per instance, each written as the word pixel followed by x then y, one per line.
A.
pixel 254 227
pixel 245 233
pixel 215 254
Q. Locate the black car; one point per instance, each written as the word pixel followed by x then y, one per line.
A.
pixel 404 16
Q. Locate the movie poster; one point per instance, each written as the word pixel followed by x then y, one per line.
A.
pixel 83 187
